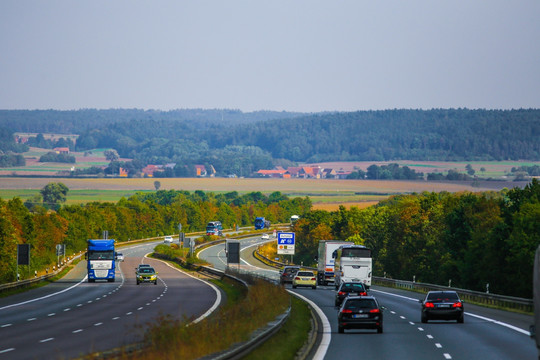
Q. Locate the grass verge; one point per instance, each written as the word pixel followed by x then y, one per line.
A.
pixel 292 336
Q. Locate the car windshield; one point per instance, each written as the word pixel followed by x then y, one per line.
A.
pixel 146 270
pixel 440 296
pixel 354 304
pixel 305 273
pixel 290 271
pixel 352 287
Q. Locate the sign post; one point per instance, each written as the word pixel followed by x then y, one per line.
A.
pixel 285 244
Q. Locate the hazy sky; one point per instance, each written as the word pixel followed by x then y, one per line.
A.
pixel 306 56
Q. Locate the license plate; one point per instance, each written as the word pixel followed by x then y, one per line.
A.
pixel 360 316
pixel 443 306
pixel 353 294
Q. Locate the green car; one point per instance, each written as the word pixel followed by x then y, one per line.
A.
pixel 146 274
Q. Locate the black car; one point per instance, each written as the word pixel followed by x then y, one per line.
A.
pixel 287 274
pixel 360 312
pixel 349 289
pixel 442 305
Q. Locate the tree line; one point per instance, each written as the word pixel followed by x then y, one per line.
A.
pixel 242 143
pixel 46 224
pixel 470 239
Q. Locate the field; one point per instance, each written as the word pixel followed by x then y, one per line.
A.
pixel 325 194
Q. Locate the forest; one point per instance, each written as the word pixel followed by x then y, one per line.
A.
pixel 240 143
pixel 49 223
pixel 472 239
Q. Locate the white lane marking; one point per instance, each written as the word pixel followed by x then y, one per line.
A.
pixel 46 340
pixel 51 314
pixel 410 322
pixel 67 309
pixel 402 317
pixel 31 319
pixel 327 330
pixel 129 313
pixel 139 309
pixel 218 293
pixel 77 331
pixel 500 323
pixel 6 350
pixel 420 329
pixel 438 345
pixel 79 305
pixel 6 325
pixel 447 356
pixel 515 328
pixel 429 336
pixel 116 318
pixel 44 297
pixel 98 324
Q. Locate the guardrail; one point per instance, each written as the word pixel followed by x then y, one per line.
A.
pixel 494 300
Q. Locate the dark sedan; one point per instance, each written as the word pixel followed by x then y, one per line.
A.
pixel 349 289
pixel 360 312
pixel 442 305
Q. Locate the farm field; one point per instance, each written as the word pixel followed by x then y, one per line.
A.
pixel 325 194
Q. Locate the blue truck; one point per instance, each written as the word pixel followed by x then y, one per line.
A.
pixel 261 223
pixel 101 257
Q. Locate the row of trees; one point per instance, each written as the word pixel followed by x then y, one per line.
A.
pixel 140 216
pixel 242 143
pixel 473 239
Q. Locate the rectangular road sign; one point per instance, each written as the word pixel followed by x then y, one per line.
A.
pixel 285 243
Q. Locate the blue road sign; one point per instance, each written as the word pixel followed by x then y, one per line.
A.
pixel 285 238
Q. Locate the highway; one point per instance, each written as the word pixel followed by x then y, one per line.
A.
pixel 485 334
pixel 72 317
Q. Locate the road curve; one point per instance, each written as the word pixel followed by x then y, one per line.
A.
pixel 486 333
pixel 72 317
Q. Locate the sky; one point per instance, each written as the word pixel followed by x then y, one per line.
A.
pixel 302 56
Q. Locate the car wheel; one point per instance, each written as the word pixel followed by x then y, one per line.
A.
pixel 424 318
pixel 294 286
pixel 460 319
pixel 380 329
pixel 155 282
pixel 341 329
pixel 314 287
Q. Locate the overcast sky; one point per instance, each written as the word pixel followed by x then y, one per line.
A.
pixel 305 56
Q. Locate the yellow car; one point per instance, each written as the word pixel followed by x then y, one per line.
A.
pixel 146 274
pixel 304 278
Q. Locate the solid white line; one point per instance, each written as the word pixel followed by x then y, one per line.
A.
pixel 46 296
pixel 327 330
pixel 525 332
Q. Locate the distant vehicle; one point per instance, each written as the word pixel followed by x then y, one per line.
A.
pixel 146 274
pixel 287 273
pixel 325 261
pixel 360 312
pixel 304 278
pixel 100 256
pixel 442 305
pixel 265 236
pixel 140 266
pixel 353 263
pixel 214 228
pixel 349 289
pixel 261 223
pixel 168 240
pixel 119 257
pixel 294 219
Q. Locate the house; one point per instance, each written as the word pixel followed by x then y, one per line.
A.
pixel 200 170
pixel 272 173
pixel 149 170
pixel 123 172
pixel 61 150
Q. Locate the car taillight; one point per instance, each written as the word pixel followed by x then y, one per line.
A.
pixel 363 294
pixel 375 311
pixel 341 293
pixel 429 305
pixel 346 311
pixel 297 278
pixel 457 304
pixel 313 279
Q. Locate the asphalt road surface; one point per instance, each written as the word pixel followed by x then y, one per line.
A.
pixel 72 317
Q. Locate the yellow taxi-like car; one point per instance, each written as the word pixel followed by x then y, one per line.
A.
pixel 305 278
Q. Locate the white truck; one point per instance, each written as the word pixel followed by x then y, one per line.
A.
pixel 325 261
pixel 353 263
